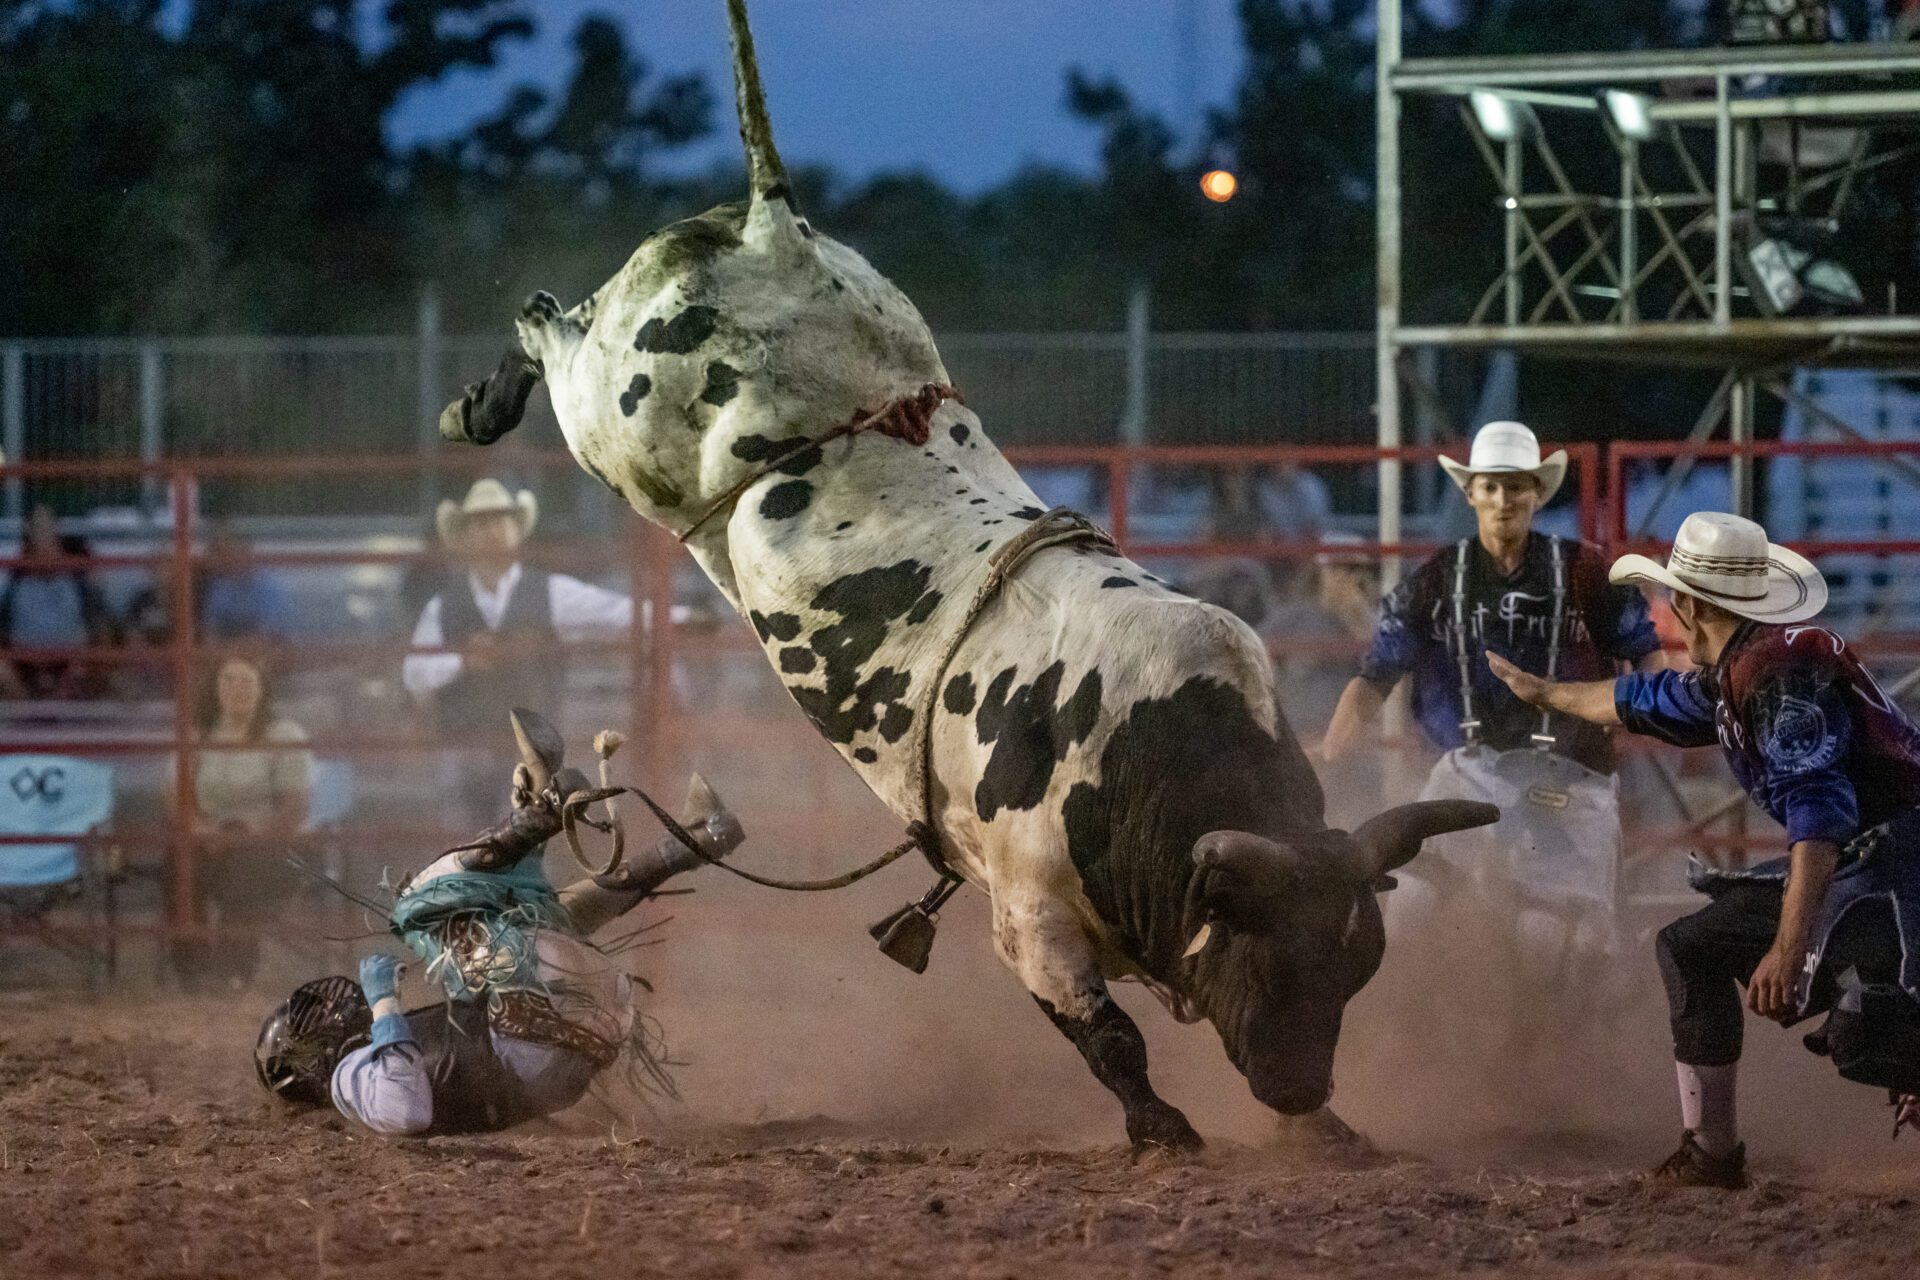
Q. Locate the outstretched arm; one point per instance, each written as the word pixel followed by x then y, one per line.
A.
pixel 1589 700
pixel 1359 707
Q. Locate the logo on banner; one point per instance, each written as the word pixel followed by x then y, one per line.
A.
pixel 48 783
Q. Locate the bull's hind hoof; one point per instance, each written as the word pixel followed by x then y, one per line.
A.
pixel 1164 1132
pixel 541 308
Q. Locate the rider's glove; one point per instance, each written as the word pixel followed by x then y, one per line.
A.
pixel 380 976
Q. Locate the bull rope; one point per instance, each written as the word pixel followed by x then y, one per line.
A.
pixel 908 418
pixel 1058 526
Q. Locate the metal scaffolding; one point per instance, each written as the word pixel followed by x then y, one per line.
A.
pixel 1679 261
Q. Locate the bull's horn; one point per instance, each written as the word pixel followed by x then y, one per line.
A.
pixel 542 749
pixel 1389 840
pixel 1239 877
pixel 765 174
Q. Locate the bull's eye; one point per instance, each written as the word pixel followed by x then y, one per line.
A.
pixel 1353 923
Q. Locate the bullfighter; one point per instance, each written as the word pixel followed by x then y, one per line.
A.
pixel 534 1011
pixel 1541 601
pixel 1824 750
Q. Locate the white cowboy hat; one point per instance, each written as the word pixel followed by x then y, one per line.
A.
pixel 486 497
pixel 1509 447
pixel 1728 561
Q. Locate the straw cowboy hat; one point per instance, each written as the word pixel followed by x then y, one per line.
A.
pixel 1728 561
pixel 486 497
pixel 1506 447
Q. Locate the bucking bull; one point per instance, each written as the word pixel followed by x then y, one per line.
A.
pixel 1105 758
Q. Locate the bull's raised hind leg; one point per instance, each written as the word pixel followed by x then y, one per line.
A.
pixel 1053 957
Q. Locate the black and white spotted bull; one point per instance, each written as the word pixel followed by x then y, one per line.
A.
pixel 1108 762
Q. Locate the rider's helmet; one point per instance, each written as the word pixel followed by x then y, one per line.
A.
pixel 304 1039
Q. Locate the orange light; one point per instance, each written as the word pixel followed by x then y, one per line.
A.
pixel 1218 185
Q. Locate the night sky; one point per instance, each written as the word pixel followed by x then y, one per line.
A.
pixel 968 90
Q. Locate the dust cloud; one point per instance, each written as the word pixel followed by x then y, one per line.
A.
pixel 781 1016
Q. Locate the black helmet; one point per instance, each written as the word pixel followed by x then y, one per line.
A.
pixel 303 1040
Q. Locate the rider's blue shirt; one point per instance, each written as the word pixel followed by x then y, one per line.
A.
pixel 1805 728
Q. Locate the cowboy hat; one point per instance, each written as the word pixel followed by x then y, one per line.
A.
pixel 487 497
pixel 1507 447
pixel 1727 561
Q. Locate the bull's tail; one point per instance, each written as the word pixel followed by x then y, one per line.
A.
pixel 765 173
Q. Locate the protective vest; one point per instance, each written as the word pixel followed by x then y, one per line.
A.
pixel 531 673
pixel 473 1091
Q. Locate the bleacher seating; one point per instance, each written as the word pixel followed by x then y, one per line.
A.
pixel 74 871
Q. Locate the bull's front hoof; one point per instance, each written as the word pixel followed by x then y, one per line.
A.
pixel 1163 1131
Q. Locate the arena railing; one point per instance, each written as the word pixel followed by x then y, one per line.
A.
pixel 664 725
pixel 169 552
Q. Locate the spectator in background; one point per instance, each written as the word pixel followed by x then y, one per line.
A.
pixel 1293 502
pixel 1322 622
pixel 252 788
pixel 1347 586
pixel 239 598
pixel 51 603
pixel 504 623
pixel 260 784
pixel 427 577
pixel 146 635
pixel 1253 505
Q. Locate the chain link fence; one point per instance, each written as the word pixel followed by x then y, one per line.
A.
pixel 379 398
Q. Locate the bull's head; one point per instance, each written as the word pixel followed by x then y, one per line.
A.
pixel 1284 934
pixel 723 336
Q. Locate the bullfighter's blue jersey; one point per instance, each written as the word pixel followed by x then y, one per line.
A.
pixel 1806 730
pixel 1510 615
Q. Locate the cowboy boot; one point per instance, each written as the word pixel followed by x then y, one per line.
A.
pixel 706 818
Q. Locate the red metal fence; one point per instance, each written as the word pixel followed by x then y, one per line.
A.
pixel 674 677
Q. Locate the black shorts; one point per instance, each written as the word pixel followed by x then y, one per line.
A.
pixel 1706 957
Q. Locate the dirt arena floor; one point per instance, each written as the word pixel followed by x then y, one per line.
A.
pixel 840 1117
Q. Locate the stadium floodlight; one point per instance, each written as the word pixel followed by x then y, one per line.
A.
pixel 1218 185
pixel 1501 118
pixel 1632 113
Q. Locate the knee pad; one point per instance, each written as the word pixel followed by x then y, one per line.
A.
pixel 1872 1035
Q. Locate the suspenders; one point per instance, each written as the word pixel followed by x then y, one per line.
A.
pixel 1469 723
pixel 1543 737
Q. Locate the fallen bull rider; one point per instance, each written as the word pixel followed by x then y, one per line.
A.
pixel 535 1012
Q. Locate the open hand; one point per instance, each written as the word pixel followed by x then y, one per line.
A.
pixel 1770 990
pixel 1526 686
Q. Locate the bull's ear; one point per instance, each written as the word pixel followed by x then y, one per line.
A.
pixel 1240 879
pixel 1389 840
